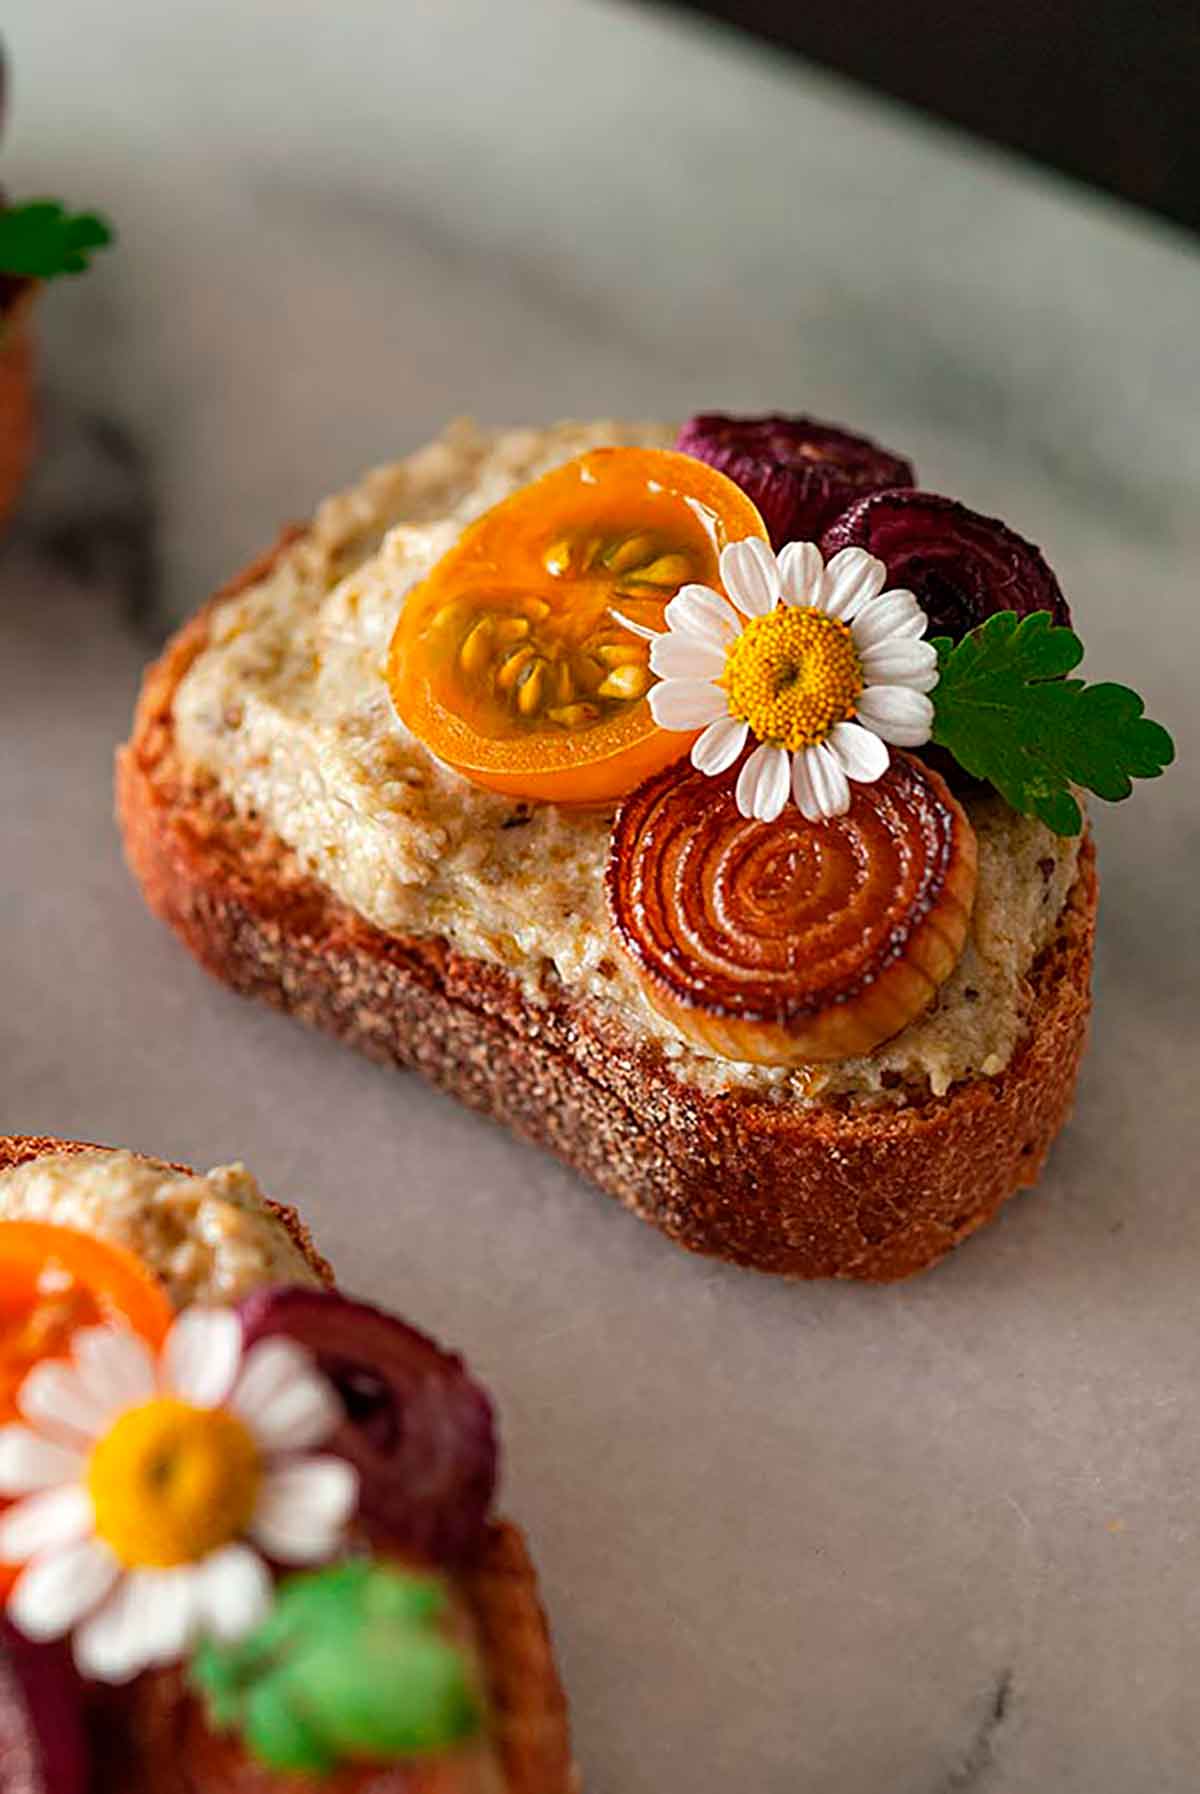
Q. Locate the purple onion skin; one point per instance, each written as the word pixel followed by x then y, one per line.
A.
pixel 419 1431
pixel 43 1738
pixel 801 474
pixel 962 566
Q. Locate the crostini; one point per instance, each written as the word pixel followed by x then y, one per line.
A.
pixel 246 1534
pixel 706 807
pixel 39 241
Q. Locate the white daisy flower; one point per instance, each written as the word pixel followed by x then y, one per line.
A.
pixel 818 664
pixel 153 1491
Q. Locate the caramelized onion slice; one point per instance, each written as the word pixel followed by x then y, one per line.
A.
pixel 790 941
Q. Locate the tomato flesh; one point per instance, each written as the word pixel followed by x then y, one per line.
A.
pixel 511 660
pixel 54 1280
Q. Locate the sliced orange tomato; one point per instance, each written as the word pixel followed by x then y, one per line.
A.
pixel 511 662
pixel 53 1281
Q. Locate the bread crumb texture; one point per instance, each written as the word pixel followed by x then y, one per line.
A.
pixel 209 1238
pixel 287 709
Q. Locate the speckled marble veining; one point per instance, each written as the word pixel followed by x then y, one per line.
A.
pixel 935 1538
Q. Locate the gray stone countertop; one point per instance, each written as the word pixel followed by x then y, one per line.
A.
pixel 805 1540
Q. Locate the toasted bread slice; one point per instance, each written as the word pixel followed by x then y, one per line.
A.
pixel 528 1707
pixel 834 1190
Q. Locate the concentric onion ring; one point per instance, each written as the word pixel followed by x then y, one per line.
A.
pixel 789 941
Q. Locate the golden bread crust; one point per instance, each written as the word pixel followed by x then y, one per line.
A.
pixel 841 1189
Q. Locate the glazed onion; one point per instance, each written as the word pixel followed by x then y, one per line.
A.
pixel 792 941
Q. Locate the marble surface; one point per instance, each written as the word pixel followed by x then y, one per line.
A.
pixel 819 1540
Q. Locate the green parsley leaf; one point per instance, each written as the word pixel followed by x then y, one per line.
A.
pixel 355 1663
pixel 43 239
pixel 1004 709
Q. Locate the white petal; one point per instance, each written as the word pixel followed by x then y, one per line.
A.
pixel 719 746
pixel 284 1400
pixel 861 753
pixel 201 1357
pixel 111 1646
pixel 852 577
pixel 902 717
pixel 48 1521
pixel 893 614
pixel 762 786
pixel 168 1602
pixel 802 788
pixel 750 574
pixel 647 635
pixel 114 1366
pixel 801 571
pixel 267 1369
pixel 233 1592
pixel 827 783
pixel 303 1509
pixel 686 657
pixel 686 704
pixel 54 1399
pixel 699 611
pixel 29 1462
pixel 56 1590
pixel 913 664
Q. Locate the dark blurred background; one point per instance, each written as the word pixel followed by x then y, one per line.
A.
pixel 1105 90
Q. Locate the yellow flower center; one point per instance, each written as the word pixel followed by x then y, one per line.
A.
pixel 792 675
pixel 169 1482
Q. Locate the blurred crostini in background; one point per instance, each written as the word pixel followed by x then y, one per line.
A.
pixel 39 240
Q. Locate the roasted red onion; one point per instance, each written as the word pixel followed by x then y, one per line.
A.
pixel 43 1743
pixel 418 1430
pixel 962 566
pixel 799 473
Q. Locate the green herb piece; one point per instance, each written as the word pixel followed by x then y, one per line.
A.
pixel 43 239
pixel 352 1665
pixel 1004 710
